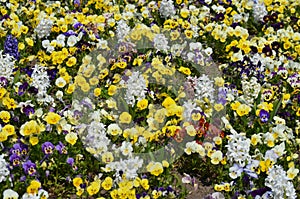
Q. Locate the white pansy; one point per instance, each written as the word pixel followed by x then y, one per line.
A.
pixel 60 39
pixel 126 148
pixel 59 95
pixel 72 40
pixel 60 82
pixel 10 194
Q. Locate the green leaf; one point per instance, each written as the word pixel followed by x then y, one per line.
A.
pixel 277 104
pixel 17 76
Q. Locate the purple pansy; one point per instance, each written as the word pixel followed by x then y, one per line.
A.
pixel 76 3
pixel 28 110
pixel 47 148
pixel 3 82
pixel 16 149
pixel 29 167
pixel 15 159
pixel 264 115
pixel 61 148
pixel 22 88
pixel 70 161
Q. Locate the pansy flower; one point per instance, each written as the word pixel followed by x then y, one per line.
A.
pixel 10 194
pixel 16 149
pixel 15 159
pixel 3 82
pixel 22 88
pixel 61 148
pixel 47 148
pixel 29 167
pixel 264 115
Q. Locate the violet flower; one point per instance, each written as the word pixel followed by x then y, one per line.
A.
pixel 29 167
pixel 15 160
pixel 70 161
pixel 28 110
pixel 61 148
pixel 264 115
pixel 22 88
pixel 3 82
pixel 76 3
pixel 16 149
pixel 47 148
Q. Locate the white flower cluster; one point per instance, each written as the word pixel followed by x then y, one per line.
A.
pixel 40 80
pixel 161 42
pixel 251 90
pixel 238 148
pixel 259 11
pixel 278 181
pixel 129 167
pixel 4 172
pixel 135 88
pixel 6 65
pixel 167 9
pixel 96 140
pixel 122 30
pixel 204 88
pixel 43 29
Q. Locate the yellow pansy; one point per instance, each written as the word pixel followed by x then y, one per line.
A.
pixel 145 184
pixel 9 103
pixel 97 92
pixel 71 61
pixel 5 116
pixel 3 91
pixel 77 181
pixel 184 70
pixel 112 90
pixel 29 41
pixel 3 136
pixel 107 183
pixel 168 102
pixel 125 117
pixel 243 109
pixel 71 138
pixel 52 118
pixel 30 127
pixel 9 129
pixel 94 188
pixel 235 105
pixel 34 140
pixel 142 104
pixel 155 168
pixel 33 187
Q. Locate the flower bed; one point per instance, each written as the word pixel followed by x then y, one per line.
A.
pixel 134 99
